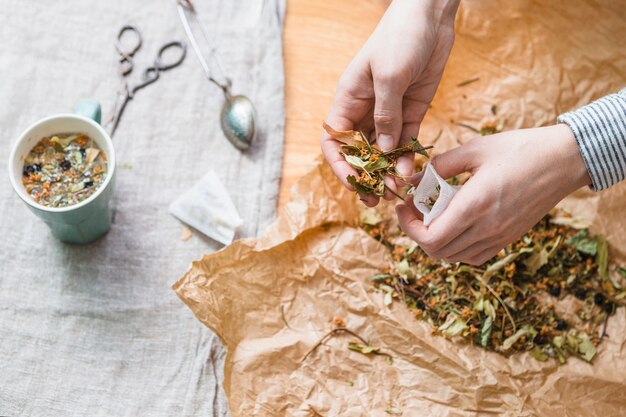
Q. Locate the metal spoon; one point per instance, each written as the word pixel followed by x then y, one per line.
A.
pixel 238 116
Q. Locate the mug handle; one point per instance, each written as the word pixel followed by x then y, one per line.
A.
pixel 90 109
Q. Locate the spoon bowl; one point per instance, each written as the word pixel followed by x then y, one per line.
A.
pixel 238 120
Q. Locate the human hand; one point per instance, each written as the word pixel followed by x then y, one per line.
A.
pixel 517 177
pixel 388 86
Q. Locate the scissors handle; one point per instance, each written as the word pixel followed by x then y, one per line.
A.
pixel 126 54
pixel 161 60
pixel 160 64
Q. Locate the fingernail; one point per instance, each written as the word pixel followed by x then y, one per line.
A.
pixel 416 178
pixel 404 167
pixel 385 142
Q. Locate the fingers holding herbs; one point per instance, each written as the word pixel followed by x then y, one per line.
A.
pixel 367 168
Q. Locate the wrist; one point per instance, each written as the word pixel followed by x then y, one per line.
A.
pixel 575 169
pixel 442 11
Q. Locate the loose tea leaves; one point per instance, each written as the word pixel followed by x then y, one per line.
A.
pixel 509 304
pixel 370 162
pixel 64 169
pixel 360 345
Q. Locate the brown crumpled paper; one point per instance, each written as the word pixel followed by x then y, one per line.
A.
pixel 270 300
pixel 314 264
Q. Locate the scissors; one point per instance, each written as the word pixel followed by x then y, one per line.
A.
pixel 150 75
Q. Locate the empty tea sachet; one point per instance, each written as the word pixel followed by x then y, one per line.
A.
pixel 207 207
pixel 432 195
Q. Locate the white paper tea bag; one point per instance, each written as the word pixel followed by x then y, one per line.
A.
pixel 432 188
pixel 207 207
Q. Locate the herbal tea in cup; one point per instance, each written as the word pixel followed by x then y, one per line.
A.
pixel 64 169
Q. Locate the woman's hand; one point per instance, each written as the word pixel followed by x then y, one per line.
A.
pixel 388 86
pixel 517 177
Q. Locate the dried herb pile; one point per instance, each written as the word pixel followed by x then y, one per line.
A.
pixel 508 304
pixel 64 169
pixel 370 162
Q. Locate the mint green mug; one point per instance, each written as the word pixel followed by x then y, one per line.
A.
pixel 88 220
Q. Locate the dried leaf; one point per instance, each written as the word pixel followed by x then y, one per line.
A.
pixel 64 142
pixel 485 332
pixel 602 255
pixel 370 216
pixel 535 261
pixel 497 266
pixel 583 244
pixel 404 269
pixel 371 164
pixel 355 161
pixel 348 137
pixel 510 341
pixel 377 165
pixel 586 349
pixel 358 187
pixel 364 349
pixel 381 277
pixel 453 326
pixel 538 354
pixel 90 155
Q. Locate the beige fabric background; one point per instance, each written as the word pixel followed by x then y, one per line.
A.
pixel 96 330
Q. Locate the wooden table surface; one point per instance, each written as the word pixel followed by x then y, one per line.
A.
pixel 320 39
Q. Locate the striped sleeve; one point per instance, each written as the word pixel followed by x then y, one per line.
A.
pixel 600 132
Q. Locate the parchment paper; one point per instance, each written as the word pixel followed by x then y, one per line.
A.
pixel 270 300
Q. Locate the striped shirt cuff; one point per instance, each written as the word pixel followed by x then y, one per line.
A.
pixel 600 132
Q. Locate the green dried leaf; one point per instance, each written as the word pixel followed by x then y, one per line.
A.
pixel 602 255
pixel 453 326
pixel 364 349
pixel 558 341
pixel 377 165
pixel 489 309
pixel 581 242
pixel 404 269
pixel 586 349
pixel 485 332
pixel 497 266
pixel 572 342
pixel 358 187
pixel 380 277
pixel 538 354
pixel 355 161
pixel 417 147
pixel 510 341
pixel 64 142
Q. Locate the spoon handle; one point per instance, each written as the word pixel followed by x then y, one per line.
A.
pixel 194 44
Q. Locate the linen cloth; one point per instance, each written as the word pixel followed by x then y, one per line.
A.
pixel 96 330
